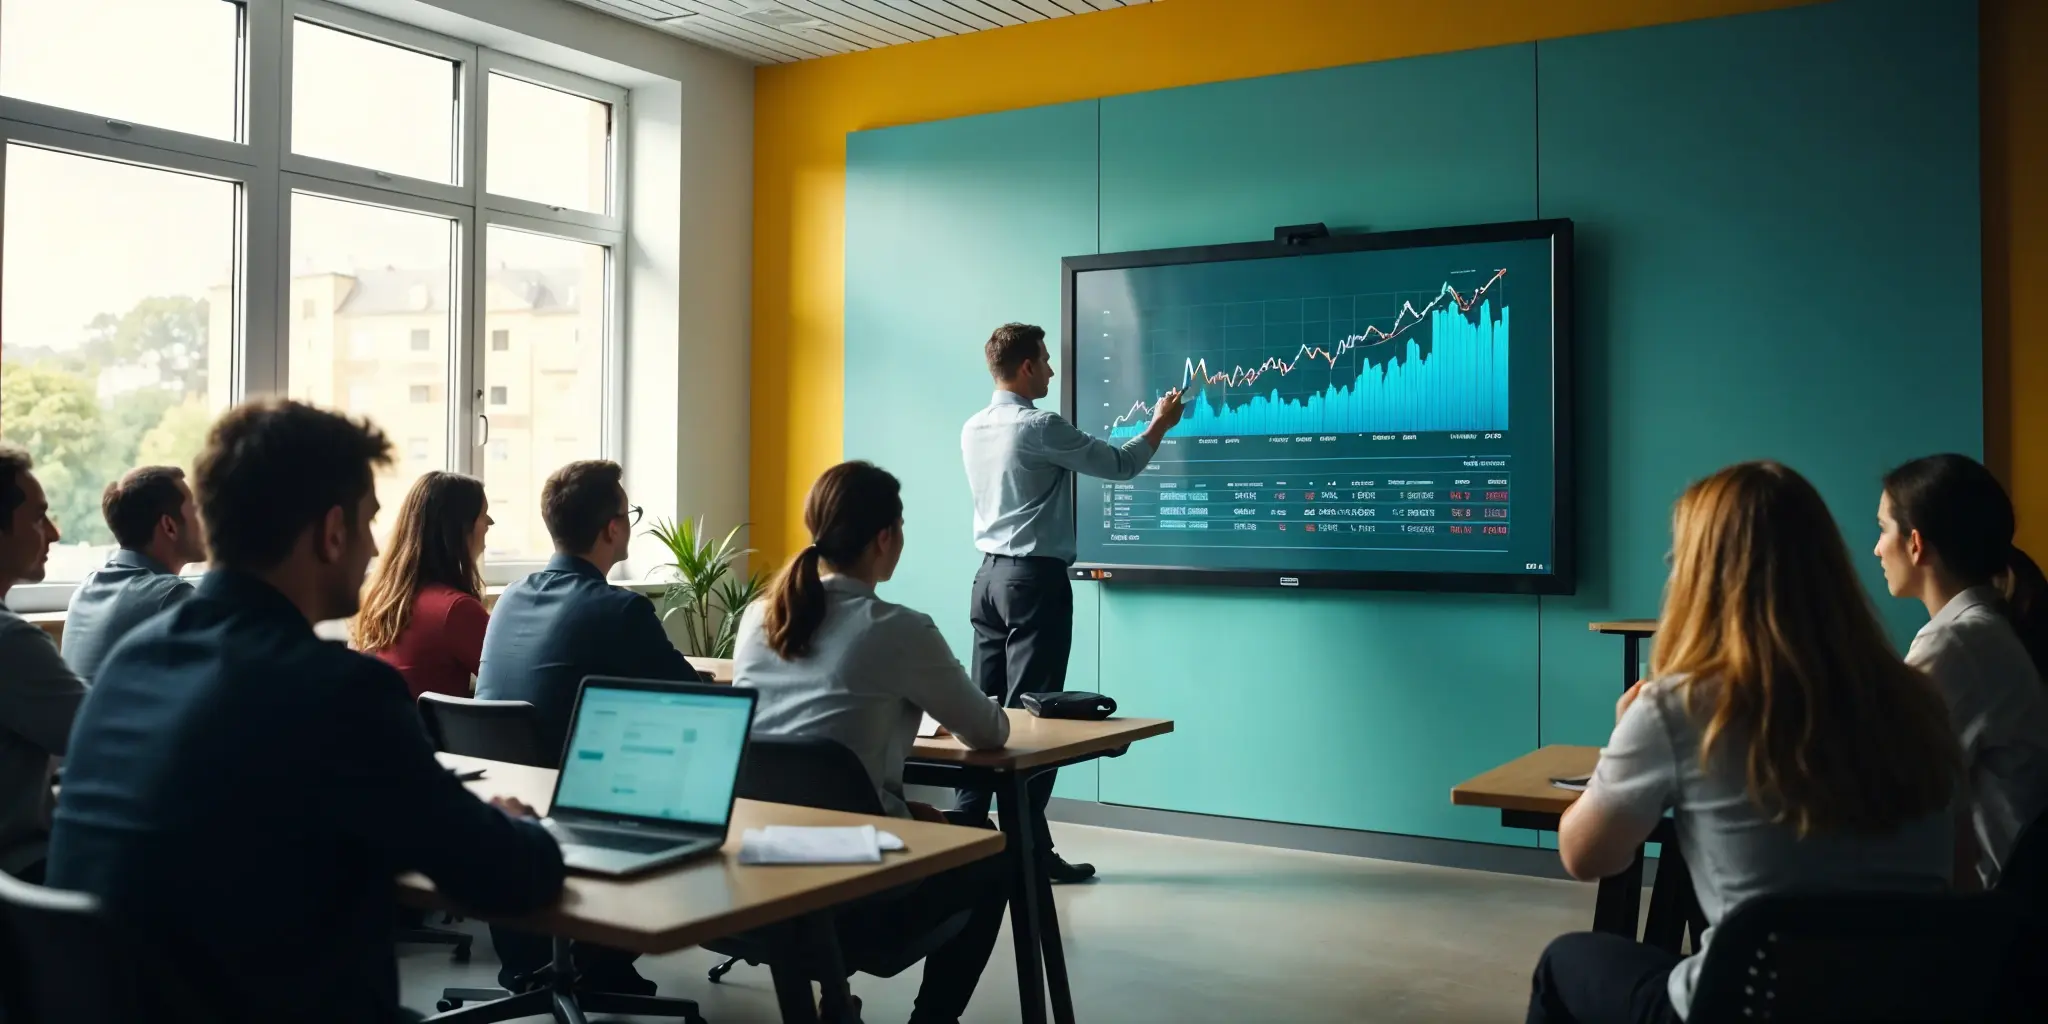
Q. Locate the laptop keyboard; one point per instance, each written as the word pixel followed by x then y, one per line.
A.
pixel 608 840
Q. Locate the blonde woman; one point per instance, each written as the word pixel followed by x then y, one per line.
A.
pixel 1794 749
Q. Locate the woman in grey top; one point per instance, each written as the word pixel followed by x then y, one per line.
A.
pixel 832 660
pixel 1794 750
pixel 1945 531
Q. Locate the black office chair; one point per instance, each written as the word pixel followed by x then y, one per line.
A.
pixel 500 730
pixel 811 772
pixel 63 962
pixel 1865 958
pixel 497 730
pixel 2024 880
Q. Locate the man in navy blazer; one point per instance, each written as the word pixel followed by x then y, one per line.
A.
pixel 565 622
pixel 553 628
pixel 242 794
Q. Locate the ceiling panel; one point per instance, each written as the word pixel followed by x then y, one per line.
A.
pixel 780 31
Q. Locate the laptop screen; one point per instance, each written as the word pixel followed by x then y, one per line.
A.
pixel 655 754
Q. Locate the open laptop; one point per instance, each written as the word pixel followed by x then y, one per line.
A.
pixel 648 773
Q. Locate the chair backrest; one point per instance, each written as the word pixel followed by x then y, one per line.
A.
pixel 2024 875
pixel 1859 957
pixel 63 962
pixel 500 730
pixel 808 772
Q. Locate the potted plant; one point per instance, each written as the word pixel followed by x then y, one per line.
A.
pixel 704 594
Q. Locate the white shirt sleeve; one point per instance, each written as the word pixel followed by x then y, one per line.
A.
pixel 1637 777
pixel 930 677
pixel 1066 446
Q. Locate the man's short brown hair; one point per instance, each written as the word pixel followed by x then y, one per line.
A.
pixel 134 504
pixel 578 501
pixel 273 467
pixel 14 463
pixel 1010 347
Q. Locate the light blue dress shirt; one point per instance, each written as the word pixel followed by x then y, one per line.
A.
pixel 1021 462
pixel 114 599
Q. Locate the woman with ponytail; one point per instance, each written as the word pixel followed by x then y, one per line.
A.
pixel 1945 530
pixel 833 660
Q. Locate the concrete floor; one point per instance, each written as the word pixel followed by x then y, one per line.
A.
pixel 1190 930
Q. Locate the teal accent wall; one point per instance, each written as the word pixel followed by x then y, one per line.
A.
pixel 1778 257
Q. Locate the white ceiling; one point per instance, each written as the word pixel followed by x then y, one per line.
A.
pixel 779 31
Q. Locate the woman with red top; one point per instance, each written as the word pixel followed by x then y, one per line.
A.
pixel 423 611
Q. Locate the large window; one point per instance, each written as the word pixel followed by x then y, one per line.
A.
pixel 206 200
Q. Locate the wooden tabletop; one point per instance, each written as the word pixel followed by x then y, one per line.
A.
pixel 1624 627
pixel 1036 741
pixel 1523 784
pixel 717 670
pixel 701 900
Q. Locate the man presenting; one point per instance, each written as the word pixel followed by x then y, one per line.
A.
pixel 1021 462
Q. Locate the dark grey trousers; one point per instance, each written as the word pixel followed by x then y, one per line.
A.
pixel 1023 615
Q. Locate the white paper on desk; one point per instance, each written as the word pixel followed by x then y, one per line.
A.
pixel 928 727
pixel 1575 784
pixel 805 844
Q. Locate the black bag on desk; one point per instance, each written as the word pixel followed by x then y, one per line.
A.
pixel 1091 706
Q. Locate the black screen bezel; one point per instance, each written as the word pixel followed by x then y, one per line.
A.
pixel 1562 577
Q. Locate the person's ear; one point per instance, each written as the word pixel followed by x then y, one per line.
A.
pixel 333 539
pixel 1916 549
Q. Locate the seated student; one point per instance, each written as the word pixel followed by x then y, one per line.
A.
pixel 38 694
pixel 833 660
pixel 1945 537
pixel 153 518
pixel 241 793
pixel 567 621
pixel 423 612
pixel 1795 750
pixel 557 626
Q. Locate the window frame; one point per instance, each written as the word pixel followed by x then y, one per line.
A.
pixel 261 163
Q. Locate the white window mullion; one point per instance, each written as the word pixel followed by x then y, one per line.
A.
pixel 466 407
pixel 263 367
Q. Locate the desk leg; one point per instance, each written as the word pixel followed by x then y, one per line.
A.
pixel 813 943
pixel 1014 810
pixel 1051 944
pixel 1631 660
pixel 1620 900
pixel 1670 901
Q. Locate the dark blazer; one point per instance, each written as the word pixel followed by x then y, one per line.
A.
pixel 243 794
pixel 565 622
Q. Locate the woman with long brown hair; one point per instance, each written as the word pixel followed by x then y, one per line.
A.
pixel 423 610
pixel 834 661
pixel 1945 530
pixel 1793 747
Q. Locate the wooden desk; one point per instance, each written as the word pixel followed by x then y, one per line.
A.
pixel 52 623
pixel 1522 786
pixel 717 670
pixel 1521 791
pixel 692 903
pixel 1632 633
pixel 1037 745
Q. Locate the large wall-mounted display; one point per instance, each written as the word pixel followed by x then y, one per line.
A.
pixel 1386 410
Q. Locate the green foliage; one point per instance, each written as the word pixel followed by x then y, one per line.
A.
pixel 704 595
pixel 56 416
pixel 49 404
pixel 168 332
pixel 177 436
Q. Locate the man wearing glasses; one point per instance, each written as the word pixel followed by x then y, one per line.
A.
pixel 559 625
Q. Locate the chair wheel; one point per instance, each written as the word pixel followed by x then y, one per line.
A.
pixel 719 972
pixel 460 953
pixel 446 1005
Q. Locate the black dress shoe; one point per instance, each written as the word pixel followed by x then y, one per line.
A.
pixel 1063 873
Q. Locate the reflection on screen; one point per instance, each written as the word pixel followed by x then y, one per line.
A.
pixel 655 755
